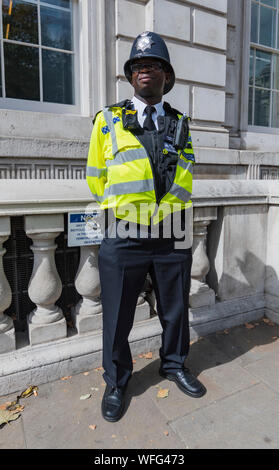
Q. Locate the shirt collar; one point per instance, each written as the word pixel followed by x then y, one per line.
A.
pixel 140 107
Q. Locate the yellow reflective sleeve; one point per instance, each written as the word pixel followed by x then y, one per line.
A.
pixel 96 170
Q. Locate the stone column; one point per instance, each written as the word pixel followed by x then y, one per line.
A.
pixel 7 331
pixel 200 294
pixel 46 322
pixel 87 314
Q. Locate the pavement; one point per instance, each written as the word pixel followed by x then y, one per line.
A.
pixel 239 367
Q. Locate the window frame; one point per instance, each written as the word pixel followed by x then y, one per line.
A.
pixel 43 106
pixel 248 45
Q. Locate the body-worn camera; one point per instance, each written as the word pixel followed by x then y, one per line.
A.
pixel 176 133
pixel 129 117
pixel 181 133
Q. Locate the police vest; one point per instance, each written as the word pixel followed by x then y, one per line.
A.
pixel 120 175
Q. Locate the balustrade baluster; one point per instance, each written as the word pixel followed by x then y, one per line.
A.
pixel 46 322
pixel 87 313
pixel 200 293
pixel 7 331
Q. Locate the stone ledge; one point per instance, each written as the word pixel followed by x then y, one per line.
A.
pixel 43 148
pixel 18 197
pixel 204 195
pixel 228 308
pixel 33 124
pixel 51 361
pixel 67 349
pixel 7 341
pixel 72 149
pixel 272 315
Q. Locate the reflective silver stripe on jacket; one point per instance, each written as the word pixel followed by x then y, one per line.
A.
pixel 128 156
pixel 98 198
pixel 186 165
pixel 94 171
pixel 109 120
pixel 180 192
pixel 131 187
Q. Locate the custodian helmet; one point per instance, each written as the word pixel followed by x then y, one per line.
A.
pixel 149 44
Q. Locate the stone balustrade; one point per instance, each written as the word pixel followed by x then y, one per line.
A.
pixel 228 273
pixel 88 312
pixel 7 332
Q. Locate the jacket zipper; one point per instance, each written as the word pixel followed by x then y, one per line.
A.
pixel 152 169
pixel 170 185
pixel 158 200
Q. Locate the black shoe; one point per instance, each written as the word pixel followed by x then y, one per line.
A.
pixel 185 381
pixel 113 403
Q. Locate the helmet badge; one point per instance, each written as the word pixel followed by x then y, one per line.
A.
pixel 144 42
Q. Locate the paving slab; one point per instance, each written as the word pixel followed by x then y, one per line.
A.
pixel 266 370
pixel 247 419
pixel 12 435
pixel 213 368
pixel 59 419
pixel 247 343
pixel 240 410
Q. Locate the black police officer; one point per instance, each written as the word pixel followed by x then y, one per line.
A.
pixel 150 73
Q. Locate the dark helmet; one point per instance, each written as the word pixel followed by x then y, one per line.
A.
pixel 150 44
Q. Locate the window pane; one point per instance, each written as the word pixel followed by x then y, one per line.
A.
pixel 262 106
pixel 271 3
pixel 22 72
pixel 58 3
pixel 263 69
pixel 56 28
pixel 251 67
pixel 275 110
pixel 250 106
pixel 254 22
pixel 275 72
pixel 20 21
pixel 267 27
pixel 58 77
pixel 1 91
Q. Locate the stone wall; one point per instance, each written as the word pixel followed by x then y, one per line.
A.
pixel 234 275
pixel 208 46
pixel 196 36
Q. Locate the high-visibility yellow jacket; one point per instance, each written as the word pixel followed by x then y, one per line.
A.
pixel 119 173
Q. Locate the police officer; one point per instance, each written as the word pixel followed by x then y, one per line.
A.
pixel 140 168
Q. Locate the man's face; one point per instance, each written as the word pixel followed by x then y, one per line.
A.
pixel 149 82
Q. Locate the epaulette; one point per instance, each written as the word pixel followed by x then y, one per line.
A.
pixel 96 116
pixel 121 104
pixel 167 107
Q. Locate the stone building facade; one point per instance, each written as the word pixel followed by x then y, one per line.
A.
pixel 210 46
pixel 60 62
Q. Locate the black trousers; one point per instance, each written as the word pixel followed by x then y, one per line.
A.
pixel 123 266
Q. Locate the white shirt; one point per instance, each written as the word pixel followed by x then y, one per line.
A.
pixel 140 107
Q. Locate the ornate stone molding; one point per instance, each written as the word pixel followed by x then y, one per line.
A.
pixel 41 169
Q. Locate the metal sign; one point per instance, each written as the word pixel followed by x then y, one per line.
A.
pixel 84 228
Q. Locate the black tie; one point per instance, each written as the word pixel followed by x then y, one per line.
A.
pixel 148 122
